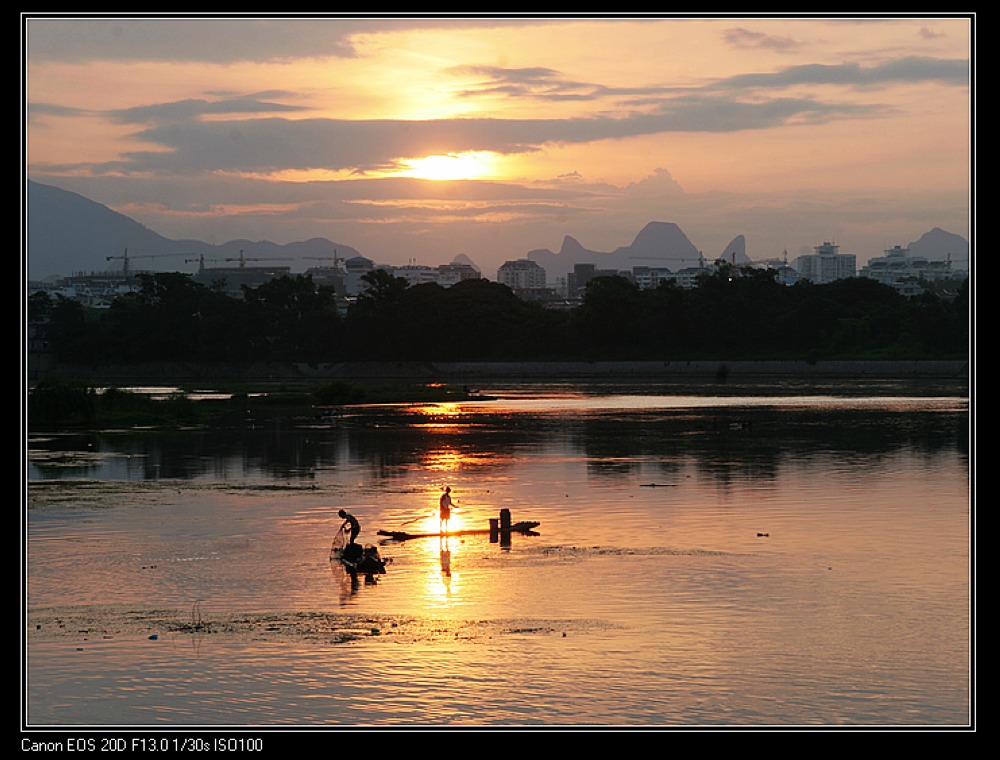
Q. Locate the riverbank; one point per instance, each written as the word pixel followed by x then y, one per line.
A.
pixel 178 373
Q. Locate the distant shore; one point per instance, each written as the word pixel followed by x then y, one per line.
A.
pixel 178 373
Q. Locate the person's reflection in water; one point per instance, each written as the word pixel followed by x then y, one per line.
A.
pixel 347 583
pixel 445 557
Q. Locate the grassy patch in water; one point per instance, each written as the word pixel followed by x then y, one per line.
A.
pixel 58 403
pixel 341 393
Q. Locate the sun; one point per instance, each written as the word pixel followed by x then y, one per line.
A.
pixel 451 166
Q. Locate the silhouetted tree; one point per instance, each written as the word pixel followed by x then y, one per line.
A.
pixel 294 320
pixel 610 322
pixel 734 313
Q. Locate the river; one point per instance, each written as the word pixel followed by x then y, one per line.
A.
pixel 715 561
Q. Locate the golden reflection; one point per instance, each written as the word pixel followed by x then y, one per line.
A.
pixel 441 410
pixel 445 558
pixel 442 584
pixel 445 460
pixel 441 417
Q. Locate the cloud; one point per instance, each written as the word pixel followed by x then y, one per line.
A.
pixel 184 110
pixel 272 131
pixel 221 39
pixel 203 39
pixel 910 69
pixel 659 184
pixel 537 83
pixel 273 144
pixel 188 142
pixel 744 38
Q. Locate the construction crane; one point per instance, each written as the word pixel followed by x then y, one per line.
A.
pixel 336 259
pixel 243 259
pixel 201 261
pixel 126 257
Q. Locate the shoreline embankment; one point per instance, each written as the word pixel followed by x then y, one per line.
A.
pixel 181 373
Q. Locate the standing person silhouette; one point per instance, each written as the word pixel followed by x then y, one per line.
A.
pixel 446 506
pixel 351 520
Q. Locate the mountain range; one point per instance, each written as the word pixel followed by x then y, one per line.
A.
pixel 661 244
pixel 68 233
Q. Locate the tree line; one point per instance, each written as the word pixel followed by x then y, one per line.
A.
pixel 734 313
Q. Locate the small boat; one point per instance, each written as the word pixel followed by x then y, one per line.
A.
pixel 357 559
pixel 525 528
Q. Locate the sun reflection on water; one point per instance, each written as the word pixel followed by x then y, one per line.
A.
pixel 442 410
pixel 441 584
pixel 445 459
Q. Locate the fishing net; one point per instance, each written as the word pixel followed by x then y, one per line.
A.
pixel 337 547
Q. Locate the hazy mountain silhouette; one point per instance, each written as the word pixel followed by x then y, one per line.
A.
pixel 939 245
pixel 736 252
pixel 67 233
pixel 463 260
pixel 657 244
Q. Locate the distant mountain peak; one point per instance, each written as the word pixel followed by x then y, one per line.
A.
pixel 571 246
pixel 736 251
pixel 463 260
pixel 661 240
pixel 657 244
pixel 940 245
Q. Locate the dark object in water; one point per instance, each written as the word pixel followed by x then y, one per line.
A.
pixel 359 560
pixel 526 528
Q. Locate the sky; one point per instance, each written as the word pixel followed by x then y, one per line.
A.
pixel 416 139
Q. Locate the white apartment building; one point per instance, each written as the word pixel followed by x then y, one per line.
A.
pixel 898 266
pixel 826 265
pixel 444 275
pixel 688 276
pixel 649 278
pixel 415 274
pixel 521 274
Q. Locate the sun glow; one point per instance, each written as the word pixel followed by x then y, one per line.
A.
pixel 452 166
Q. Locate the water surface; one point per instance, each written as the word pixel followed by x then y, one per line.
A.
pixel 723 560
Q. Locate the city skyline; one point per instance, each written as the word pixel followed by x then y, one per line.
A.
pixel 422 138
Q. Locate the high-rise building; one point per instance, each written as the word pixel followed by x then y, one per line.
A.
pixel 827 264
pixel 521 274
pixel 898 266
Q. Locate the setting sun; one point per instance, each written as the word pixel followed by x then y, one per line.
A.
pixel 453 166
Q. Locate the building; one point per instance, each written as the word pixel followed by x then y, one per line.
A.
pixel 779 269
pixel 521 274
pixel 94 289
pixel 456 272
pixel 651 277
pixel 784 274
pixel 688 276
pixel 355 268
pixel 902 271
pixel 582 274
pixel 444 275
pixel 328 277
pixel 232 280
pixel 415 274
pixel 826 265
